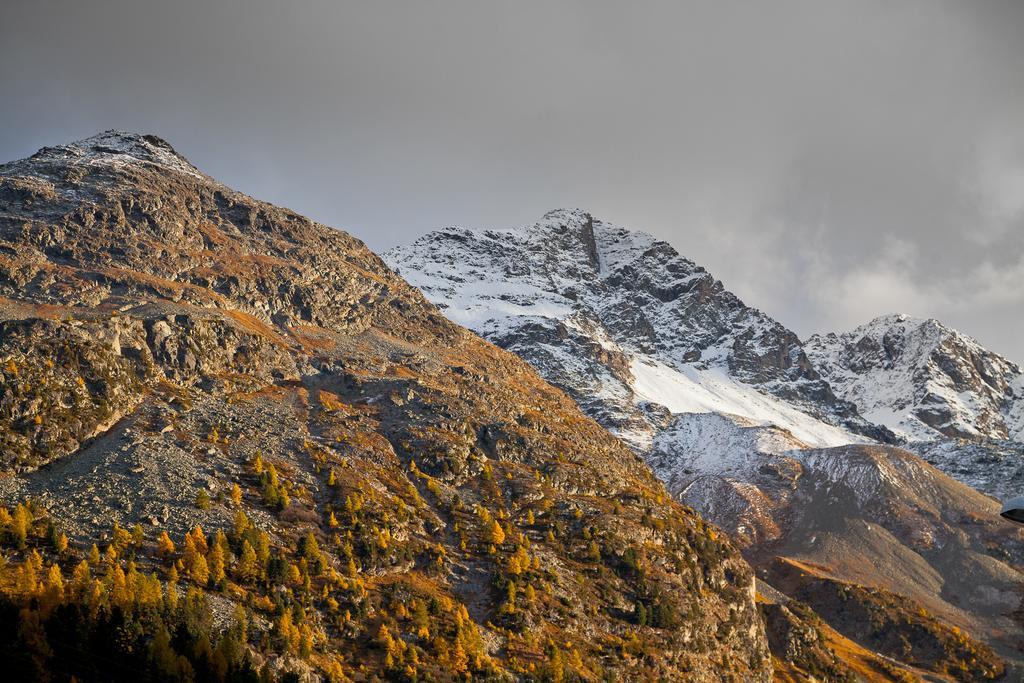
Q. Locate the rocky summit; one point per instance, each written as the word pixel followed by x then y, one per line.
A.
pixel 236 445
pixel 844 465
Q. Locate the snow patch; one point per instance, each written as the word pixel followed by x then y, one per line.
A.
pixel 692 390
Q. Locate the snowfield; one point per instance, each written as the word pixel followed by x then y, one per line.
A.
pixel 692 390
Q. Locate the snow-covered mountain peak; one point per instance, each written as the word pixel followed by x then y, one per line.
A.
pixel 562 220
pixel 645 339
pixel 633 330
pixel 891 319
pixel 575 244
pixel 902 324
pixel 923 334
pixel 922 379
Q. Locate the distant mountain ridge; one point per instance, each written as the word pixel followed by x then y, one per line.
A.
pixel 627 305
pixel 918 378
pixel 637 334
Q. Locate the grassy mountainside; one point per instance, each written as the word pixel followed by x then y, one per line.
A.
pixel 351 486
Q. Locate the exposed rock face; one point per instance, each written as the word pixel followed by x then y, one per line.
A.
pixel 796 634
pixel 158 331
pixel 994 467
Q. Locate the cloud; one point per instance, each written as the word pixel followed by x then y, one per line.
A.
pixel 991 286
pixel 829 161
pixel 996 186
pixel 983 300
pixel 880 284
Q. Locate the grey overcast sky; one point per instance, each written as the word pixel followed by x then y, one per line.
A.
pixel 829 161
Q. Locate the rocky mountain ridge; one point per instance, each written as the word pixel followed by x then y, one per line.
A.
pixel 595 305
pixel 947 398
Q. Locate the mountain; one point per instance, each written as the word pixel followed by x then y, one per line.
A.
pixel 816 521
pixel 955 403
pixel 781 443
pixel 630 328
pixel 923 380
pixel 878 516
pixel 235 442
pixel 638 334
pixel 858 515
